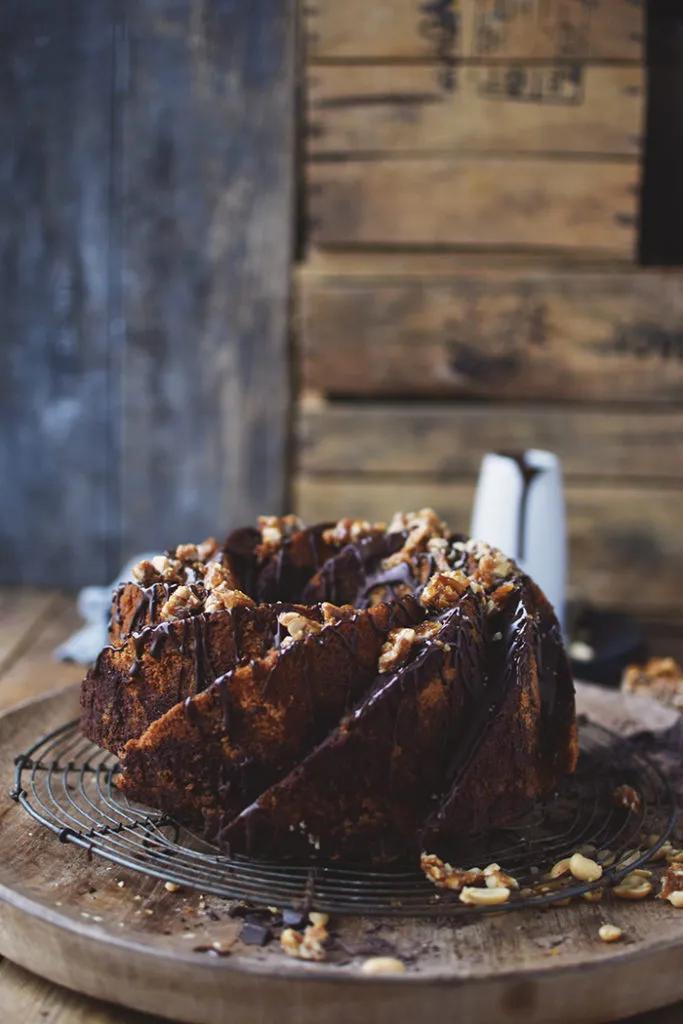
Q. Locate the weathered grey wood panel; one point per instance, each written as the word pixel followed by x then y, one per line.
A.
pixel 207 131
pixel 58 456
pixel 146 182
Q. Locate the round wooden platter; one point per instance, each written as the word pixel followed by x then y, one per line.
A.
pixel 106 932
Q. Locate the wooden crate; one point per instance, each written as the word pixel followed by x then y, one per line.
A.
pixel 398 353
pixel 504 125
pixel 474 29
pixel 471 191
pixel 440 326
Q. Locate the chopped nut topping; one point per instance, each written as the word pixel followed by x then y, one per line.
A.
pixel 298 626
pixel 493 566
pixel 627 797
pixel 444 589
pixel 584 869
pixel 484 897
pixel 307 946
pixel 187 553
pixel 215 574
pixel 275 528
pixel 444 876
pixel 421 526
pixel 675 898
pixel 182 603
pixel 610 933
pixel 336 613
pixel 145 573
pixel 497 598
pixel 346 531
pixel 488 565
pixel 426 517
pixel 207 548
pixel 224 597
pixel 383 965
pixel 427 630
pixel 170 569
pixel 396 649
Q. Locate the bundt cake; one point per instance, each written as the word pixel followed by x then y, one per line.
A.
pixel 345 692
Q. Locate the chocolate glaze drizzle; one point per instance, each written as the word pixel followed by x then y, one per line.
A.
pixel 485 654
pixel 528 474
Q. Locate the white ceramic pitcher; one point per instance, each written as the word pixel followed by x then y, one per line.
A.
pixel 519 507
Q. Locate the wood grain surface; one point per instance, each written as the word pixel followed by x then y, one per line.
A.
pixel 542 29
pixel 442 439
pixel 146 242
pixel 441 325
pixel 459 201
pixel 391 108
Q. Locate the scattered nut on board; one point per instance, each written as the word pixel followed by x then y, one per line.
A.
pixel 632 887
pixel 676 898
pixel 306 945
pixel 475 897
pixel 171 887
pixel 383 965
pixel 584 869
pixel 610 933
pixel 559 869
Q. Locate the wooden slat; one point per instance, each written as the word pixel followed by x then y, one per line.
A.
pixel 509 333
pixel 390 108
pixel 58 453
pixel 541 203
pixel 207 220
pixel 665 635
pixel 541 29
pixel 626 545
pixel 449 439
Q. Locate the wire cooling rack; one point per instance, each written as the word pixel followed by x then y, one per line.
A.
pixel 67 784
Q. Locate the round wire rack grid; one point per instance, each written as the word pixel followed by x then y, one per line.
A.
pixel 67 784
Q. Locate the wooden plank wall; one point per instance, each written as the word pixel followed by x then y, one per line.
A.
pixel 146 245
pixel 471 189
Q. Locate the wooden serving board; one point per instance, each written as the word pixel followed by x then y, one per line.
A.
pixel 120 936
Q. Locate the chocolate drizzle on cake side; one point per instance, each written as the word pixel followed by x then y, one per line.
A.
pixel 343 692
